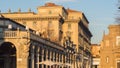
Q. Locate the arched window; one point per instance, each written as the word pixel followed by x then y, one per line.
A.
pixel 107 59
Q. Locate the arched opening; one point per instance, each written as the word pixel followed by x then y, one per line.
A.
pixel 7 55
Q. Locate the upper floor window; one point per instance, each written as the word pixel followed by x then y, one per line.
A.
pixel 107 59
pixel 118 40
pixel 68 33
pixel 1 29
pixel 72 17
pixel 34 23
pixel 118 63
pixel 50 12
pixel 107 42
pixel 69 26
pixel 24 23
pixel 1 23
pixel 50 25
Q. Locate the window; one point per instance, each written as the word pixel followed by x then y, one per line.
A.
pixel 9 26
pixel 1 29
pixel 118 63
pixel 34 23
pixel 50 33
pixel 107 42
pixel 50 25
pixel 69 26
pixel 118 40
pixel 107 59
pixel 72 17
pixel 50 12
pixel 68 33
pixel 1 23
pixel 24 23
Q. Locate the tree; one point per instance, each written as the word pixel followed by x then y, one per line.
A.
pixel 117 19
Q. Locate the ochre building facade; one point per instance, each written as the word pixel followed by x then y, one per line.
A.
pixel 110 48
pixel 65 30
pixel 95 49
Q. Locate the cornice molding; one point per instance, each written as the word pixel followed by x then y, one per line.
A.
pixel 35 18
pixel 72 20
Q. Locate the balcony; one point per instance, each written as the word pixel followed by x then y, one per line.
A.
pixel 13 34
pixel 28 35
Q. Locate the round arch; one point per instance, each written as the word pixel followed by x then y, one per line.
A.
pixel 7 55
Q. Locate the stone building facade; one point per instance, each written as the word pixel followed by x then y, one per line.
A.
pixel 95 49
pixel 66 28
pixel 110 48
pixel 22 48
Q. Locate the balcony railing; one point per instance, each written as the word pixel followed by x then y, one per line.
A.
pixel 8 34
pixel 13 34
pixel 28 35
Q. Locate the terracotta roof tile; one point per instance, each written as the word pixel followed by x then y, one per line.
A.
pixel 50 4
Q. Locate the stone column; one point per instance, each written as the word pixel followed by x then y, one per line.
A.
pixel 22 56
pixel 38 51
pixel 53 56
pixel 63 59
pixel 57 59
pixel 42 57
pixel 60 58
pixel 46 57
pixel 33 53
pixel 50 57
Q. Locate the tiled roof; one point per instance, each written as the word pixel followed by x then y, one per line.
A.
pixel 50 5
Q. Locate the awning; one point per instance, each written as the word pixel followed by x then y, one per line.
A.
pixel 67 64
pixel 47 62
pixel 59 63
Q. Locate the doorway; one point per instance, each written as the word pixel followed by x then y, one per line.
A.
pixel 7 55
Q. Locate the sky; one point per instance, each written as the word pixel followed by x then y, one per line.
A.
pixel 100 13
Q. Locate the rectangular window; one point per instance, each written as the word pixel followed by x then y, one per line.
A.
pixel 50 12
pixel 118 40
pixel 1 23
pixel 24 23
pixel 107 42
pixel 50 25
pixel 118 64
pixel 69 26
pixel 1 29
pixel 34 23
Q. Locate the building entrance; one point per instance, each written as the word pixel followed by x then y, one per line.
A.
pixel 118 64
pixel 7 55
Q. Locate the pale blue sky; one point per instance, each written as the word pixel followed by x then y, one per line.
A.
pixel 100 13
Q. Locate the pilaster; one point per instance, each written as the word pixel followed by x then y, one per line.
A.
pixel 22 56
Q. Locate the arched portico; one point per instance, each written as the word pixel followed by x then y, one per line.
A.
pixel 7 55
